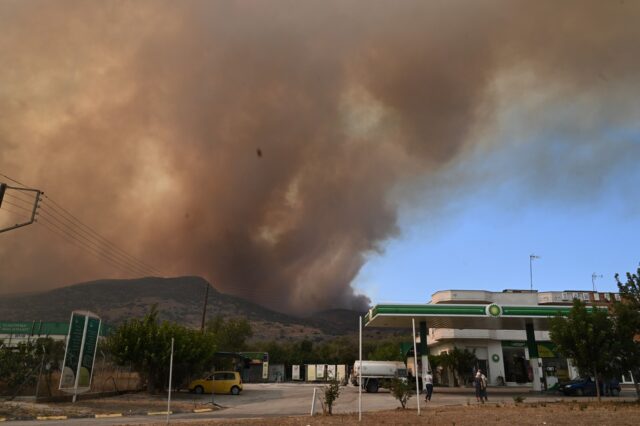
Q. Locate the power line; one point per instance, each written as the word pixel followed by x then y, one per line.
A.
pixel 17 205
pixel 81 244
pixel 78 243
pixel 71 231
pixel 13 180
pixel 32 216
pixel 30 202
pixel 61 211
pixel 11 211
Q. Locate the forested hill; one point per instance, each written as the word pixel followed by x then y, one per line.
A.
pixel 178 299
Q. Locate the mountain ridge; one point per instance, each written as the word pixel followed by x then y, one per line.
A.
pixel 178 299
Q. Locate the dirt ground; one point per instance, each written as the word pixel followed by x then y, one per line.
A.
pixel 127 404
pixel 564 413
pixel 285 404
pixel 139 403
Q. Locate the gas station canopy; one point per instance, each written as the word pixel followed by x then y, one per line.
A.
pixel 458 316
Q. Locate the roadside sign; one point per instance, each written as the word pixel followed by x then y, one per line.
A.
pixel 295 372
pixel 79 356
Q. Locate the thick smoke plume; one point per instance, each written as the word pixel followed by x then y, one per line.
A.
pixel 257 143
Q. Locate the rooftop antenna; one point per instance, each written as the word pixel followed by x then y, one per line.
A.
pixel 593 280
pixel 531 257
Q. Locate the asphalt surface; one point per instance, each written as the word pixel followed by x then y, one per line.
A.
pixel 293 399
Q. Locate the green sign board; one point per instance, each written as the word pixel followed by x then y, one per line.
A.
pixel 81 349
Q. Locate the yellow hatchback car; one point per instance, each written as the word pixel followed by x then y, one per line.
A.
pixel 218 382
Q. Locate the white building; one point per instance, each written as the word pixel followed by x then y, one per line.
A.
pixel 503 354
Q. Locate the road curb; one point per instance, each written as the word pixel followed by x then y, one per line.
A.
pixel 105 415
pixel 159 413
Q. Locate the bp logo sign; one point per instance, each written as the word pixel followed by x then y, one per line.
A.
pixel 494 310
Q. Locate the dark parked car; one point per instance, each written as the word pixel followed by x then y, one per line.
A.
pixel 587 387
pixel 612 387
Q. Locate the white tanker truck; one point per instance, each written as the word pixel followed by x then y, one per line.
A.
pixel 377 374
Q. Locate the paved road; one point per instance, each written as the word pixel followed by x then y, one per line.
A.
pixel 290 399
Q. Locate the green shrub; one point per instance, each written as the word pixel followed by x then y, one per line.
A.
pixel 401 390
pixel 331 394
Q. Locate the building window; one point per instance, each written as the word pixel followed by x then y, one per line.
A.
pixel 617 296
pixel 565 296
pixel 585 297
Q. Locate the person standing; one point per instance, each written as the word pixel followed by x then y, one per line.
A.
pixel 480 383
pixel 428 386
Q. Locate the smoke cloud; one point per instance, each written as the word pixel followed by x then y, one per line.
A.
pixel 257 143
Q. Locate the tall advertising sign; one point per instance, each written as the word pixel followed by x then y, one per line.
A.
pixel 79 356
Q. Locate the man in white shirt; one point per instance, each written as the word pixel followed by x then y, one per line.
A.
pixel 428 385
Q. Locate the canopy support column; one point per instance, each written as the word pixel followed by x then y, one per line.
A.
pixel 360 373
pixel 424 350
pixel 535 362
pixel 415 363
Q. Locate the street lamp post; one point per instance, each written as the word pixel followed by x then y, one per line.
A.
pixel 593 280
pixel 531 257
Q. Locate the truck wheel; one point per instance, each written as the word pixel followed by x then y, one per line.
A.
pixel 372 386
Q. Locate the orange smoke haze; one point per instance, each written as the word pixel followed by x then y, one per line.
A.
pixel 256 144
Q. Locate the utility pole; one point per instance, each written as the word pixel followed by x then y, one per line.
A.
pixel 204 308
pixel 36 201
pixel 531 257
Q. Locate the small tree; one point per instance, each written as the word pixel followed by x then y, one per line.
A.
pixel 630 290
pixel 627 319
pixel 461 362
pixel 331 394
pixel 231 334
pixel 401 390
pixel 146 344
pixel 18 365
pixel 626 349
pixel 386 350
pixel 587 337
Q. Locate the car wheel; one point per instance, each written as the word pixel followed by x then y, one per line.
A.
pixel 199 390
pixel 615 392
pixel 235 390
pixel 579 392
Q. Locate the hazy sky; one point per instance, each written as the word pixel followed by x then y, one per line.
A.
pixel 319 154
